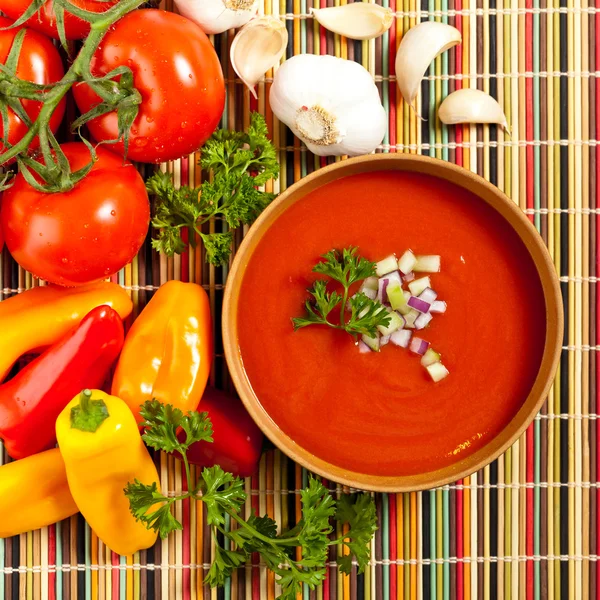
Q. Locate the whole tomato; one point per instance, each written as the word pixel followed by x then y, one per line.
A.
pixel 44 19
pixel 39 62
pixel 85 234
pixel 178 74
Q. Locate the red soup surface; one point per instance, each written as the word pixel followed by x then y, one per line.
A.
pixel 380 413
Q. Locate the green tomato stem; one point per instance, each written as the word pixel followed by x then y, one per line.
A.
pixel 79 68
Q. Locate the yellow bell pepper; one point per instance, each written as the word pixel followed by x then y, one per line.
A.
pixel 102 448
pixel 34 493
pixel 41 316
pixel 168 351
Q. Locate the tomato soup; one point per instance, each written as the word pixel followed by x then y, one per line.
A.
pixel 379 413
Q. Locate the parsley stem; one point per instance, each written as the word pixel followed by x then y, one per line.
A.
pixel 259 535
pixel 343 308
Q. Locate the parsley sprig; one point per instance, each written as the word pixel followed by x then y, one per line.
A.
pixel 239 163
pixel 346 268
pixel 224 497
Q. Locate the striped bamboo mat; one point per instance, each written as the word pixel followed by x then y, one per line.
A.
pixel 524 527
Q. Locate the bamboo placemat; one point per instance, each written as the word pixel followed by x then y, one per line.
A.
pixel 524 527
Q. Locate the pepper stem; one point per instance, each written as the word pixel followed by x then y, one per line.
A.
pixel 89 414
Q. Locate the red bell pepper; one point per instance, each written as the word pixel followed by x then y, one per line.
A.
pixel 237 439
pixel 32 400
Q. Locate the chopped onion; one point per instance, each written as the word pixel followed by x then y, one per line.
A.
pixel 418 346
pixel 428 295
pixel 370 283
pixel 430 357
pixel 429 263
pixel 381 291
pixel 401 338
pixel 437 371
pixel 369 293
pixel 406 262
pixel 371 342
pixel 363 348
pixel 387 265
pixel 396 322
pixel 419 285
pixel 419 304
pixel 383 283
pixel 384 339
pixel 408 277
pixel 423 320
pixel 410 318
pixel 439 306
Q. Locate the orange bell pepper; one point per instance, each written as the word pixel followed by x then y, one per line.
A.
pixel 168 351
pixel 39 317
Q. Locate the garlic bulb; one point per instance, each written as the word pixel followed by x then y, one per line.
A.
pixel 258 47
pixel 330 103
pixel 217 16
pixel 471 106
pixel 358 21
pixel 418 48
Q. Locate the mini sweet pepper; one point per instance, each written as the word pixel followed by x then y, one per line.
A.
pixel 102 448
pixel 39 317
pixel 32 400
pixel 237 440
pixel 34 493
pixel 168 351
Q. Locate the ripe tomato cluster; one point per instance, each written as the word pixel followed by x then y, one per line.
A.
pixel 92 230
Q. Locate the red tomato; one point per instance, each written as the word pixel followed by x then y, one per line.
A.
pixel 39 62
pixel 178 74
pixel 45 20
pixel 82 235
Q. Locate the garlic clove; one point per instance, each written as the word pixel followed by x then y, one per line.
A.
pixel 471 106
pixel 258 47
pixel 358 21
pixel 418 48
pixel 217 16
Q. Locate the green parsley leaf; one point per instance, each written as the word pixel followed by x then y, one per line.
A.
pixel 347 268
pixel 217 247
pixel 366 315
pixel 161 422
pixel 224 563
pixel 221 492
pixel 240 163
pixel 142 498
pixel 358 511
pixel 324 303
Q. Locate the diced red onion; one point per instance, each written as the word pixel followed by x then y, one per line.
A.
pixel 382 291
pixel 419 304
pixel 439 306
pixel 428 295
pixel 418 346
pixel 363 348
pixel 401 338
pixel 384 339
pixel 406 262
pixel 423 320
pixel 429 263
pixel 408 277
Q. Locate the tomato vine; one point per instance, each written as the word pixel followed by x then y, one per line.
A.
pixel 119 95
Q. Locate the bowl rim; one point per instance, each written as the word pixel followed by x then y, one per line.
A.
pixel 532 241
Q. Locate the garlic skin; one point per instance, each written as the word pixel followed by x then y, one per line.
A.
pixel 330 103
pixel 417 50
pixel 357 21
pixel 471 106
pixel 217 16
pixel 256 48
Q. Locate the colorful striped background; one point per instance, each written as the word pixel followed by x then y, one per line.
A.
pixel 524 527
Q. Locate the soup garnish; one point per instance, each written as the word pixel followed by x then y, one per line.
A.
pixel 381 311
